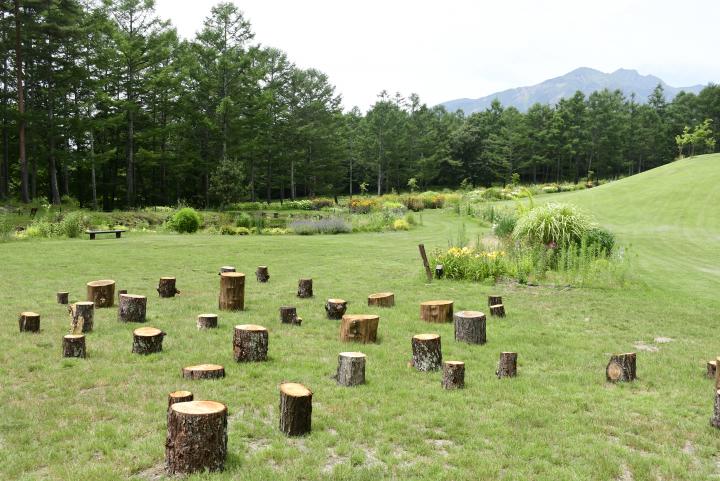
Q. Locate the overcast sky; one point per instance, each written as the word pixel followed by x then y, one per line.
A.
pixel 450 49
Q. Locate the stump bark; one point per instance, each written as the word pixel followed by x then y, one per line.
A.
pixel 121 292
pixel 250 343
pixel 426 352
pixel 507 365
pixel 262 274
pixel 207 321
pixel 717 373
pixel 305 288
pixel 232 291
pixel 204 371
pixel 288 315
pixel 381 299
pixel 497 310
pixel 166 287
pixel 359 328
pixel 295 409
pixel 74 345
pixel 621 368
pixel 147 340
pixel 494 300
pixel 335 308
pixel 82 317
pixel 715 419
pixel 62 297
pixel 453 375
pixel 436 311
pixel 29 322
pixel 132 308
pixel 351 369
pixel 711 369
pixel 196 437
pixel 179 397
pixel 102 293
pixel 226 269
pixel 470 327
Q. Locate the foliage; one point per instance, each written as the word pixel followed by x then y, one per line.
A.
pixel 185 221
pixel 601 239
pixel 552 225
pixel 401 224
pixel 362 205
pixel 504 224
pixel 333 225
pixel 321 202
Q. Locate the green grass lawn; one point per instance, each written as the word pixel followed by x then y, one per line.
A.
pixel 104 418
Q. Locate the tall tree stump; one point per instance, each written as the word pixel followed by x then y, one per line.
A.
pixel 436 311
pixel 295 409
pixel 74 345
pixel 715 419
pixel 262 274
pixel 101 292
pixel 226 269
pixel 232 291
pixel 207 321
pixel 179 397
pixel 621 367
pixel 29 322
pixel 335 308
pixel 470 327
pixel 711 369
pixel 359 328
pixel 204 371
pixel 426 352
pixel 132 308
pixel 381 299
pixel 82 317
pixel 453 375
pixel 166 287
pixel 288 315
pixel 147 340
pixel 351 369
pixel 250 343
pixel 507 365
pixel 62 297
pixel 305 289
pixel 497 310
pixel 196 437
pixel 494 300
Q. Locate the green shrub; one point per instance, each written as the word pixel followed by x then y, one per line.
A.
pixel 493 193
pixel 414 203
pixel 242 231
pixel 244 220
pixel 552 225
pixel 362 205
pixel 410 219
pixel 504 224
pixel 185 221
pixel 321 202
pixel 298 205
pixel 401 224
pixel 600 238
pixel 227 230
pixel 73 224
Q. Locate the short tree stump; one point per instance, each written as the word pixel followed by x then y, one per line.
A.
pixel 207 321
pixel 250 343
pixel 436 311
pixel 335 308
pixel 426 352
pixel 196 437
pixel 82 317
pixel 453 375
pixel 351 369
pixel 381 299
pixel 359 328
pixel 101 292
pixel 204 371
pixel 29 322
pixel 470 327
pixel 305 288
pixel 74 345
pixel 507 365
pixel 147 340
pixel 232 291
pixel 132 308
pixel 166 287
pixel 295 409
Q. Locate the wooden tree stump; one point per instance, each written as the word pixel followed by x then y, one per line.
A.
pixel 62 297
pixel 250 343
pixel 494 300
pixel 132 308
pixel 196 437
pixel 426 352
pixel 288 315
pixel 226 269
pixel 204 371
pixel 497 310
pixel 120 293
pixel 507 365
pixel 621 367
pixel 207 321
pixel 74 345
pixel 147 340
pixel 351 369
pixel 335 308
pixel 436 311
pixel 717 373
pixel 715 419
pixel 29 322
pixel 102 293
pixel 179 397
pixel 305 289
pixel 232 291
pixel 439 271
pixel 166 287
pixel 711 369
pixel 470 327
pixel 359 328
pixel 453 375
pixel 295 409
pixel 262 274
pixel 82 317
pixel 381 299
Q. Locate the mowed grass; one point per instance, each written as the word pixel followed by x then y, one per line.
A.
pixel 104 417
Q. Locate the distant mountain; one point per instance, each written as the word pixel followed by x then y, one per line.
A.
pixel 586 80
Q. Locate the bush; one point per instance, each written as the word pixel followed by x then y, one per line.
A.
pixel 227 230
pixel 186 220
pixel 321 202
pixel 401 224
pixel 73 225
pixel 362 205
pixel 414 203
pixel 298 205
pixel 432 200
pixel 244 220
pixel 553 225
pixel 242 231
pixel 332 225
pixel 601 239
pixel 504 224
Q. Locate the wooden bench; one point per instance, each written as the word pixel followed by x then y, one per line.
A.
pixel 117 232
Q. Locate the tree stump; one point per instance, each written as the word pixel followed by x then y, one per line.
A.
pixel 62 297
pixel 207 321
pixel 470 327
pixel 262 274
pixel 351 369
pixel 29 322
pixel 166 287
pixel 295 409
pixel 132 308
pixel 226 269
pixel 715 419
pixel 102 293
pixel 196 437
pixel 179 397
pixel 436 311
pixel 439 271
pixel 711 369
pixel 74 345
pixel 288 315
pixel 426 352
pixel 381 299
pixel 147 340
pixel 621 367
pixel 305 288
pixel 120 293
pixel 82 316
pixel 204 371
pixel 250 343
pixel 453 375
pixel 497 310
pixel 494 300
pixel 359 328
pixel 232 291
pixel 717 373
pixel 507 365
pixel 335 308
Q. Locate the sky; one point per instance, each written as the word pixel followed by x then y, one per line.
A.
pixel 443 50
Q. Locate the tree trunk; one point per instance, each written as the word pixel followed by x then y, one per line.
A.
pixel 426 352
pixel 147 340
pixel 711 369
pixel 295 409
pixel 381 299
pixel 453 375
pixel 82 316
pixel 102 293
pixel 93 182
pixel 335 308
pixel 621 368
pixel 207 321
pixel 29 322
pixel 250 343
pixel 288 315
pixel 232 291
pixel 507 365
pixel 130 176
pixel 196 437
pixel 24 177
pixel 305 288
pixel 52 167
pixel 359 328
pixel 62 297
pixel 715 419
pixel 179 397
pixel 436 311
pixel 5 162
pixel 204 371
pixel 497 310
pixel 74 345
pixel 166 287
pixel 351 369
pixel 262 274
pixel 470 327
pixel 132 308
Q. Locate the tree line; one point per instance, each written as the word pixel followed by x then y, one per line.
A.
pixel 103 102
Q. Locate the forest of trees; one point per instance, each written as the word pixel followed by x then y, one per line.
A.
pixel 103 102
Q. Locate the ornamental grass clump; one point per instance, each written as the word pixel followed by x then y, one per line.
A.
pixel 552 225
pixel 333 225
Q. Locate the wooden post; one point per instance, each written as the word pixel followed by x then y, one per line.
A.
pixel 621 368
pixel 423 255
pixel 82 315
pixel 436 311
pixel 262 274
pixel 102 293
pixel 204 371
pixel 470 327
pixel 295 409
pixel 196 437
pixel 381 299
pixel 250 343
pixel 453 375
pixel 288 315
pixel 226 269
pixel 166 287
pixel 335 308
pixel 147 340
pixel 711 369
pixel 351 369
pixel 62 297
pixel 132 308
pixel 715 419
pixel 74 345
pixel 359 328
pixel 494 300
pixel 497 310
pixel 29 322
pixel 207 321
pixel 426 352
pixel 232 291
pixel 305 288
pixel 507 365
pixel 179 397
